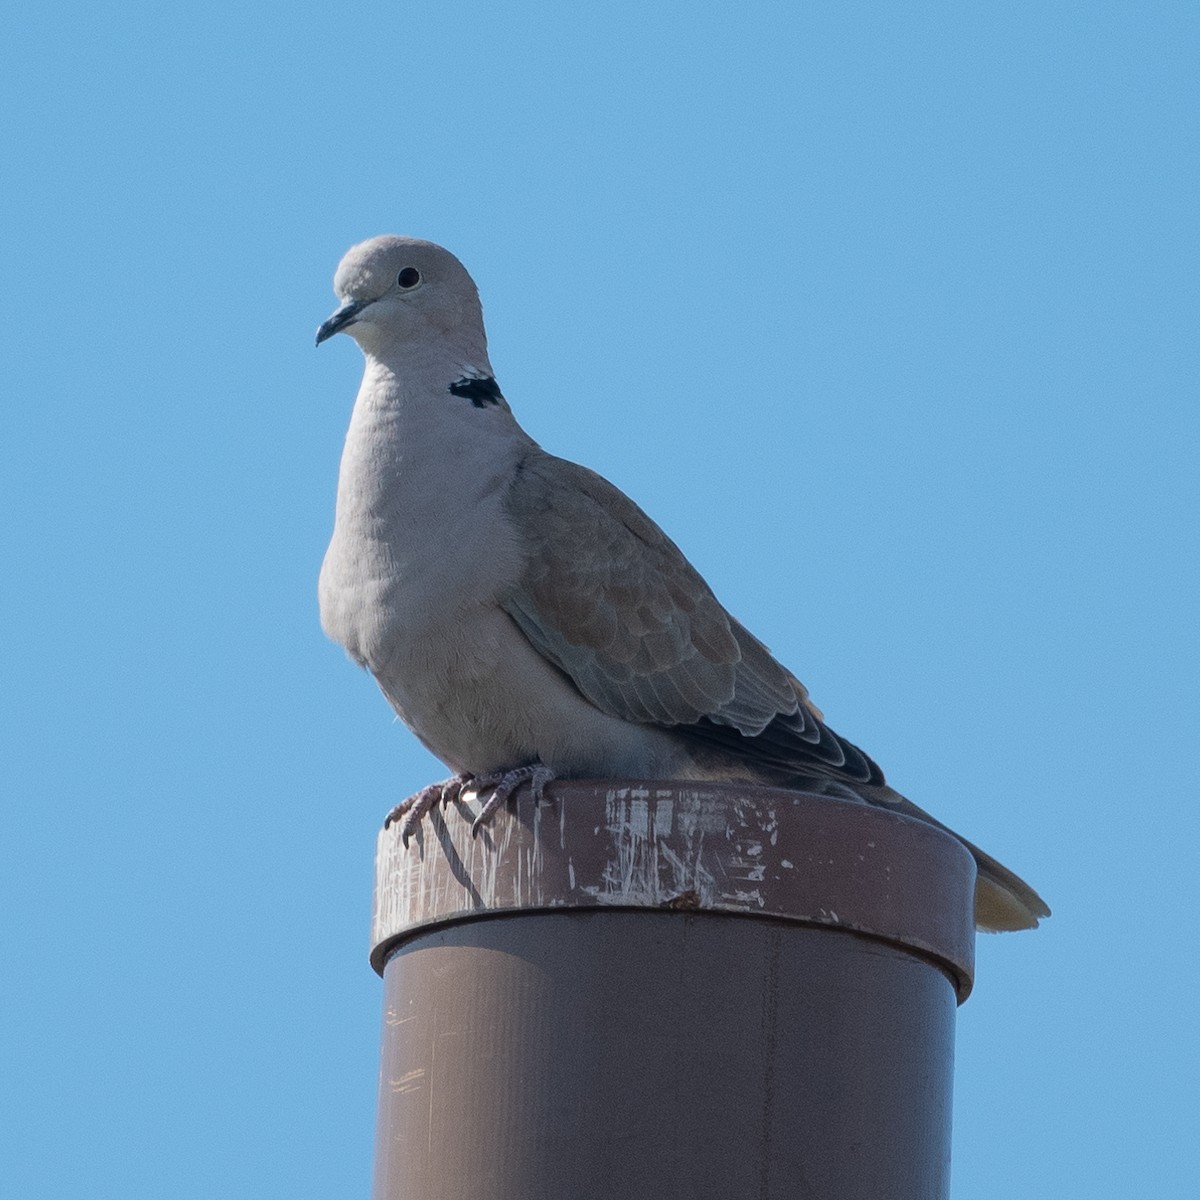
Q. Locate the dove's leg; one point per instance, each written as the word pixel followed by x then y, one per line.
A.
pixel 503 784
pixel 418 804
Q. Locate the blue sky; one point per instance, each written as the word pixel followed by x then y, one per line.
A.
pixel 887 313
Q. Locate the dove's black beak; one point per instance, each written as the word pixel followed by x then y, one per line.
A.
pixel 344 317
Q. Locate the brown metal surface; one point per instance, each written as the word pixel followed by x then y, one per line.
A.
pixel 674 992
pixel 711 847
pixel 662 1056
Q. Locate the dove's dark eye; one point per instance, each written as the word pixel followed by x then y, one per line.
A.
pixel 409 277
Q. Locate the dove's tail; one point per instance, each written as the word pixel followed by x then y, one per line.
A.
pixel 1003 900
pixel 801 751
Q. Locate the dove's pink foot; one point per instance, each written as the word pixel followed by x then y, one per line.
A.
pixel 409 812
pixel 503 784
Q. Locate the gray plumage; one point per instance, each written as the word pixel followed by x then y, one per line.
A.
pixel 521 614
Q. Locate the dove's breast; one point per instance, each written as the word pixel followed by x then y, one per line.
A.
pixel 421 551
pixel 424 554
pixel 452 663
pixel 420 536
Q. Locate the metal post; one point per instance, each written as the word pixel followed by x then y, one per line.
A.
pixel 670 992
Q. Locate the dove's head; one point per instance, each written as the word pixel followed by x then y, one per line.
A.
pixel 400 293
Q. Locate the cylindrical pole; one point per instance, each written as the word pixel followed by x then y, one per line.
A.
pixel 670 992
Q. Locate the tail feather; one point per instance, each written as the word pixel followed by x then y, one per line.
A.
pixel 1003 900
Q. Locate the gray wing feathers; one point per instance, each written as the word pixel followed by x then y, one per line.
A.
pixel 610 599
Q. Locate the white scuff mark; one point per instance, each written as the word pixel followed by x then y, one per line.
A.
pixel 747 865
pixel 688 874
pixel 536 862
pixel 771 826
pixel 786 864
pixel 699 813
pixel 638 826
pixel 664 814
pixel 755 873
pixel 571 873
pixel 635 817
pixel 479 866
pixel 412 1082
pixel 649 863
pixel 626 793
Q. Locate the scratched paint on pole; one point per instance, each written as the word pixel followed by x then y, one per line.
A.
pixel 707 847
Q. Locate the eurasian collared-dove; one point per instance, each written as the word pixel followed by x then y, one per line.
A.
pixel 524 617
